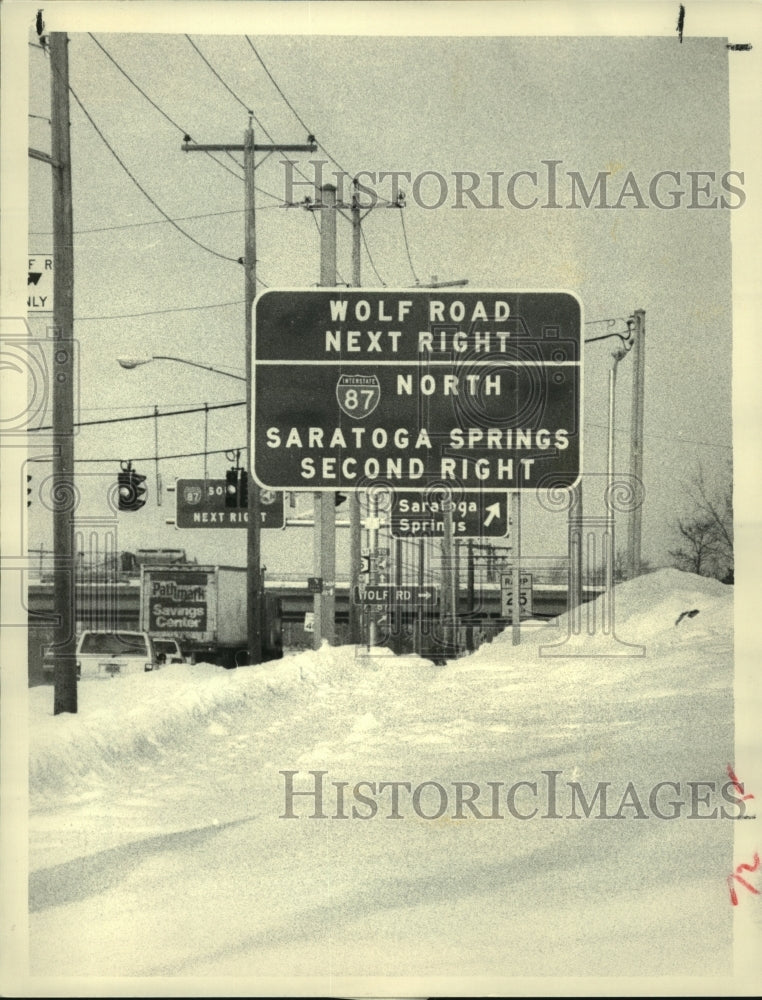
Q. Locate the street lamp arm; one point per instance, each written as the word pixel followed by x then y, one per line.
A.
pixel 624 337
pixel 627 339
pixel 135 362
pixel 196 364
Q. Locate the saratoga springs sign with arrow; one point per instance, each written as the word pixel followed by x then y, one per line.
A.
pixel 411 388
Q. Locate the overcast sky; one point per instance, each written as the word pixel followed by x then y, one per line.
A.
pixel 444 104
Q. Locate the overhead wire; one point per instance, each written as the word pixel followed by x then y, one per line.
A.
pixel 157 312
pixel 407 247
pixel 304 126
pixel 145 416
pixel 161 111
pixel 244 105
pixel 149 458
pixel 292 108
pixel 229 88
pixel 665 437
pixel 328 154
pixel 160 222
pixel 370 258
pixel 139 186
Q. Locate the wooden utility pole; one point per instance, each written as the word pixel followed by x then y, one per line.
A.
pixel 636 441
pixel 254 593
pixel 65 677
pixel 355 520
pixel 324 543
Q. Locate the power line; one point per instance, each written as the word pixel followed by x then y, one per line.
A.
pixel 152 458
pixel 330 157
pixel 232 260
pixel 161 222
pixel 291 106
pixel 158 312
pixel 229 89
pixel 370 258
pixel 145 416
pixel 407 246
pixel 111 409
pixel 156 106
pixel 667 437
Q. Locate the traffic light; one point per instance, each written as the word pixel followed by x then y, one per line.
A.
pixel 131 489
pixel 28 491
pixel 237 489
pixel 231 488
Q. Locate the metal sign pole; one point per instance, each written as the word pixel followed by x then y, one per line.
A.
pixel 516 563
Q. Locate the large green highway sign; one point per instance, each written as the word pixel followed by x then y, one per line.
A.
pixel 479 390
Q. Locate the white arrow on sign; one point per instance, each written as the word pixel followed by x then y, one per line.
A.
pixel 493 512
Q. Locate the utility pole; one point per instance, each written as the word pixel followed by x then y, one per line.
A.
pixel 448 612
pixel 65 677
pixel 421 583
pixel 254 595
pixel 636 440
pixel 324 543
pixel 575 531
pixel 355 520
pixel 516 564
pixel 471 599
pixel 609 551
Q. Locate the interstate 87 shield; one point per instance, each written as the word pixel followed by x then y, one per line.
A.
pixel 352 387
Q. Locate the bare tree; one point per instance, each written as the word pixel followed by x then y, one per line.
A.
pixel 706 533
pixel 698 549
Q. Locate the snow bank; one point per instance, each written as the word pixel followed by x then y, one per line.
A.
pixel 691 657
pixel 134 717
pixel 646 611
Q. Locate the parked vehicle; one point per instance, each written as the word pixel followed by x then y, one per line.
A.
pixel 167 650
pixel 49 663
pixel 110 654
pixel 204 609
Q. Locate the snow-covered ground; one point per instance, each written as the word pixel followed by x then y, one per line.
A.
pixel 158 847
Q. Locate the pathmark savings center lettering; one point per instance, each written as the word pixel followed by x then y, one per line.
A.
pixel 178 603
pixel 353 386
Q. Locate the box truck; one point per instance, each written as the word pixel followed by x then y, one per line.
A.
pixel 204 608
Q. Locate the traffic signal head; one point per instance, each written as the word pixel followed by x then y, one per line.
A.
pixel 131 489
pixel 231 488
pixel 237 489
pixel 28 491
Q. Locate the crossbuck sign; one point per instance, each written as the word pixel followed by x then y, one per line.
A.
pixel 476 389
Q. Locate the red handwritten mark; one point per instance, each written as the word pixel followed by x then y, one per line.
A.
pixel 739 878
pixel 737 784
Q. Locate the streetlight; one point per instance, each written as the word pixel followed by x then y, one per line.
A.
pixel 618 354
pixel 136 362
pixel 253 607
